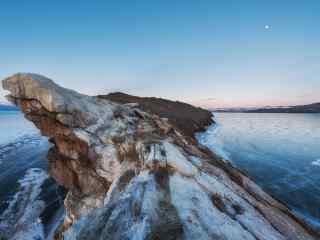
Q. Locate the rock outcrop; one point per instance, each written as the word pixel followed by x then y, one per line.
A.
pixel 132 175
pixel 184 117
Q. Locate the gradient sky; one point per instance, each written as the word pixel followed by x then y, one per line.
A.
pixel 211 53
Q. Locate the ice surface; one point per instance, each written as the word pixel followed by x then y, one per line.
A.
pixel 280 151
pixel 13 126
pixel 316 162
pixel 21 220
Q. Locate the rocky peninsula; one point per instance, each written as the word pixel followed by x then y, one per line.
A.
pixel 133 173
pixel 184 117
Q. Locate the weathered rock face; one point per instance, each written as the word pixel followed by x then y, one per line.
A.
pixel 131 175
pixel 184 117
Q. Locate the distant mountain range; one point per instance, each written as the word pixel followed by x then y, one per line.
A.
pixel 309 108
pixel 7 107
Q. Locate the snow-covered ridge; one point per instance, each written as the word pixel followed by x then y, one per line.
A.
pixel 131 175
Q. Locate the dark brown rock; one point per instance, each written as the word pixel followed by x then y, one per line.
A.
pixel 185 117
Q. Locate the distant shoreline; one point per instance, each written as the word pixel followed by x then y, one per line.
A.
pixel 214 111
pixel 310 108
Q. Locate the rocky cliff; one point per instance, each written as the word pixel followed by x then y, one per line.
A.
pixel 132 175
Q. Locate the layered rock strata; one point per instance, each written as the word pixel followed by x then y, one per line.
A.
pixel 132 175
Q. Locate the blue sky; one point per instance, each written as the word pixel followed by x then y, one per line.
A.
pixel 210 53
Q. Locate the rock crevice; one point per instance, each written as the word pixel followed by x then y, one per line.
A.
pixel 133 175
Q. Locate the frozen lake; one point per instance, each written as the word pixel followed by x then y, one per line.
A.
pixel 281 152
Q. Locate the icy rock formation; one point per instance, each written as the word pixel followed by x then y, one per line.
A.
pixel 131 175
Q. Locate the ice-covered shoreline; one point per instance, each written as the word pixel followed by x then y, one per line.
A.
pixel 242 138
pixel 133 175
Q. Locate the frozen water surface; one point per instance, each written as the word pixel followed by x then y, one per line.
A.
pixel 28 197
pixel 281 152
